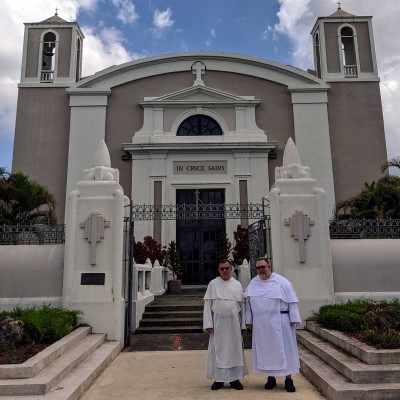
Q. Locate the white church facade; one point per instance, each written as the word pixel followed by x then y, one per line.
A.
pixel 209 127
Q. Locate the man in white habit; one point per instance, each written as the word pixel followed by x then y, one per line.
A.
pixel 272 312
pixel 223 320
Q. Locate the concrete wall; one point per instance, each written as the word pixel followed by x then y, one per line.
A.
pixel 366 266
pixel 31 274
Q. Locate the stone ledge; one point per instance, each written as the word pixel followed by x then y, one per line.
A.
pixel 362 351
pixel 349 366
pixel 36 363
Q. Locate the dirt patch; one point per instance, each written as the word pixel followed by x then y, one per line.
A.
pixel 21 353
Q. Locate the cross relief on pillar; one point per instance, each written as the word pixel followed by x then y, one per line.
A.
pixel 300 228
pixel 94 232
pixel 198 69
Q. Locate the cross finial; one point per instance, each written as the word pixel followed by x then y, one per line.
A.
pixel 56 11
pixel 339 4
pixel 198 69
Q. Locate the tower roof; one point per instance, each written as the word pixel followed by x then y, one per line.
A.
pixel 341 13
pixel 55 19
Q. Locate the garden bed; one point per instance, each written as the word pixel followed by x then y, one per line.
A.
pixel 26 332
pixel 376 323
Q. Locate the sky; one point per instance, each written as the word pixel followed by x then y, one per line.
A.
pixel 117 31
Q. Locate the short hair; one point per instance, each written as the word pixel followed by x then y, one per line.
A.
pixel 223 261
pixel 263 259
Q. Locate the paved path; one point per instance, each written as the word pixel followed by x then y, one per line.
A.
pixel 179 375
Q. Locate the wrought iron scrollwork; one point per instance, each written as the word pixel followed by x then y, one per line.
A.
pixel 32 234
pixel 196 211
pixel 365 229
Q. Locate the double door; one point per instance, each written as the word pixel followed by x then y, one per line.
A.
pixel 197 237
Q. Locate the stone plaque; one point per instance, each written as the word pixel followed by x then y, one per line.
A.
pixel 89 278
pixel 200 167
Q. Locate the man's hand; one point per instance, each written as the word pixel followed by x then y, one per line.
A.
pixel 209 330
pixel 249 326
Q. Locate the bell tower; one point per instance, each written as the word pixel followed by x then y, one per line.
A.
pixel 344 47
pixel 344 55
pixel 51 63
pixel 52 53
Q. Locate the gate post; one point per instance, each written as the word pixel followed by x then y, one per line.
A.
pixel 300 232
pixel 93 266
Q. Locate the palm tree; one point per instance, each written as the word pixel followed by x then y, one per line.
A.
pixel 380 199
pixel 23 201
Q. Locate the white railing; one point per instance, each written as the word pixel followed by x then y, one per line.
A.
pixel 350 71
pixel 47 76
pixel 149 281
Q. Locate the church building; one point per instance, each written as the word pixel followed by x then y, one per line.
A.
pixel 200 126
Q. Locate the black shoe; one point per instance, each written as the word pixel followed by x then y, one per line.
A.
pixel 217 385
pixel 289 385
pixel 236 385
pixel 271 383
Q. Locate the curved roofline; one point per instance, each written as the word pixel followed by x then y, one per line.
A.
pixel 118 74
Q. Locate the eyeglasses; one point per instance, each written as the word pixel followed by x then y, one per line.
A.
pixel 262 267
pixel 225 268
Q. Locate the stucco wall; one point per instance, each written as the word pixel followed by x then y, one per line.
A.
pixel 31 274
pixel 274 114
pixel 355 122
pixel 366 265
pixel 42 138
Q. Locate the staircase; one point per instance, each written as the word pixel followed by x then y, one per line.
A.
pixel 345 369
pixel 63 371
pixel 175 312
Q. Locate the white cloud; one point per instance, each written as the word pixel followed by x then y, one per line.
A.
pixel 104 48
pixel 296 19
pixel 269 34
pixel 127 11
pixel 101 48
pixel 162 21
pixel 213 33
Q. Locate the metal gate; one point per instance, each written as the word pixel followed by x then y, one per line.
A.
pixel 146 212
pixel 260 239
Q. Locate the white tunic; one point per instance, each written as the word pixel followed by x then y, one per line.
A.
pixel 274 346
pixel 224 311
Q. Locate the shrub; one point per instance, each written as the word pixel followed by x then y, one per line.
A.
pixel 241 249
pixel 151 249
pixel 346 317
pixel 44 324
pixel 11 333
pixel 386 338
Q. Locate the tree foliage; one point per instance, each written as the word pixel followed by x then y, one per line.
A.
pixel 241 249
pixel 24 201
pixel 173 259
pixel 223 246
pixel 379 199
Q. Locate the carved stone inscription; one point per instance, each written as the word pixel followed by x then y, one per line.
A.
pixel 200 167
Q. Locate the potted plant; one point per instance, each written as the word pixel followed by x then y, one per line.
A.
pixel 173 263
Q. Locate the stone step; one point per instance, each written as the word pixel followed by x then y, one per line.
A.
pixel 362 351
pixel 49 377
pixel 348 365
pixel 173 307
pixel 172 314
pixel 165 322
pixel 169 329
pixel 335 386
pixel 41 360
pixel 81 378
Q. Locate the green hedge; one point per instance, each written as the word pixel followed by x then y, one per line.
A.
pixel 44 324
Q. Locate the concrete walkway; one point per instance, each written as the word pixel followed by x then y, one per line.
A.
pixel 179 375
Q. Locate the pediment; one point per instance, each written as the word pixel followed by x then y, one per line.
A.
pixel 198 94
